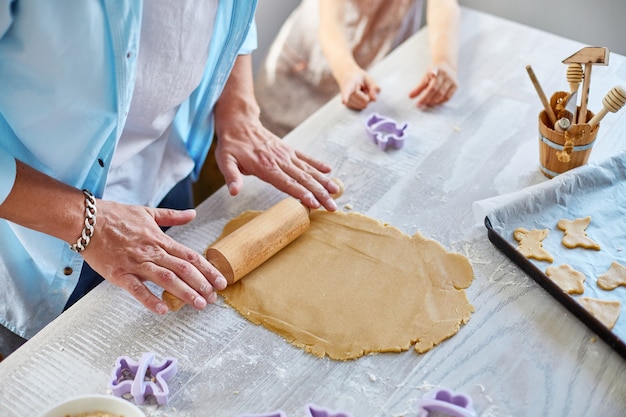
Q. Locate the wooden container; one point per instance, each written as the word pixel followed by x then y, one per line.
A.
pixel 560 152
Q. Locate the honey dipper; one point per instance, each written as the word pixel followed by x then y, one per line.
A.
pixel 612 102
pixel 574 76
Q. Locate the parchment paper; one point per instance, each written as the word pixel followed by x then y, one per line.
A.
pixel 596 190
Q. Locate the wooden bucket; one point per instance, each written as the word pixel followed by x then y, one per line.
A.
pixel 560 152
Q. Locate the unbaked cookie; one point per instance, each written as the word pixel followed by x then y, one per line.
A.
pixel 604 310
pixel 614 277
pixel 575 234
pixel 567 278
pixel 530 243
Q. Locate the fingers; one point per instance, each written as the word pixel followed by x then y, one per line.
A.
pixel 359 91
pixel 129 249
pixel 260 153
pixel 436 87
pixel 232 175
pixel 311 186
pixel 141 293
pixel 171 217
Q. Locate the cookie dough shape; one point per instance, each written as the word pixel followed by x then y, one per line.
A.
pixel 606 311
pixel 613 278
pixel 575 234
pixel 351 286
pixel 567 278
pixel 530 243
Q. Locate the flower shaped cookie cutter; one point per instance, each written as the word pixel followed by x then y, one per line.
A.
pixel 142 378
pixel 385 132
pixel 312 410
pixel 447 402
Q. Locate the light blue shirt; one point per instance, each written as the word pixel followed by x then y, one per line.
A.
pixel 67 73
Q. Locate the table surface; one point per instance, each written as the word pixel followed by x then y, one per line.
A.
pixel 521 353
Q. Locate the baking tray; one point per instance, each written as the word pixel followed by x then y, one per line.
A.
pixel 597 190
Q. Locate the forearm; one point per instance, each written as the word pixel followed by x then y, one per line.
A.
pixel 237 102
pixel 44 204
pixel 443 20
pixel 333 42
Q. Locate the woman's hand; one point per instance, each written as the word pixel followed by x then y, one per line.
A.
pixel 250 149
pixel 245 147
pixel 129 248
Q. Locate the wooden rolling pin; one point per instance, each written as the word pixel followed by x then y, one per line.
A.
pixel 240 252
pixel 612 102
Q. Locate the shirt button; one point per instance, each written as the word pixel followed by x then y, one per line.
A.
pixel 67 270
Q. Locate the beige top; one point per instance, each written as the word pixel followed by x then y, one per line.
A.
pixel 295 79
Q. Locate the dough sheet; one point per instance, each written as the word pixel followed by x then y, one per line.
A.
pixel 352 286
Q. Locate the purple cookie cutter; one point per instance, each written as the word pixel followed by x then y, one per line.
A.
pixel 142 378
pixel 312 410
pixel 447 402
pixel 385 132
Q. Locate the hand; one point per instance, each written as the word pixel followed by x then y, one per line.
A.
pixel 436 86
pixel 358 89
pixel 245 147
pixel 248 148
pixel 128 248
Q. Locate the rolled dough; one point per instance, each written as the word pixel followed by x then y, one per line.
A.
pixel 352 286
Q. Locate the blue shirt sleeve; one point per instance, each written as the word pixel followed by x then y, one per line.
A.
pixel 250 43
pixel 7 174
pixel 6 16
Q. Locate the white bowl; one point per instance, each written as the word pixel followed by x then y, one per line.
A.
pixel 92 403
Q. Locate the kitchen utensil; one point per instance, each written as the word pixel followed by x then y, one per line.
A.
pixel 253 243
pixel 574 76
pixel 143 377
pixel 588 56
pixel 541 94
pixel 446 402
pixel 385 132
pixel 612 102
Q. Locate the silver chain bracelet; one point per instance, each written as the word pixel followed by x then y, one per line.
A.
pixel 90 222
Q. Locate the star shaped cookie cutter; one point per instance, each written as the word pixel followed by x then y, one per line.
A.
pixel 447 402
pixel 142 378
pixel 385 132
pixel 312 410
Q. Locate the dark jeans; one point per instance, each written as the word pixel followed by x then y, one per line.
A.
pixel 180 197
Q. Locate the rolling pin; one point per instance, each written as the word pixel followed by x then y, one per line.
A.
pixel 241 251
pixel 246 248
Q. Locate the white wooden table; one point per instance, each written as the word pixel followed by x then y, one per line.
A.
pixel 521 353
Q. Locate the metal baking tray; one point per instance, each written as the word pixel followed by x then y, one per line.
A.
pixel 597 190
pixel 567 300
